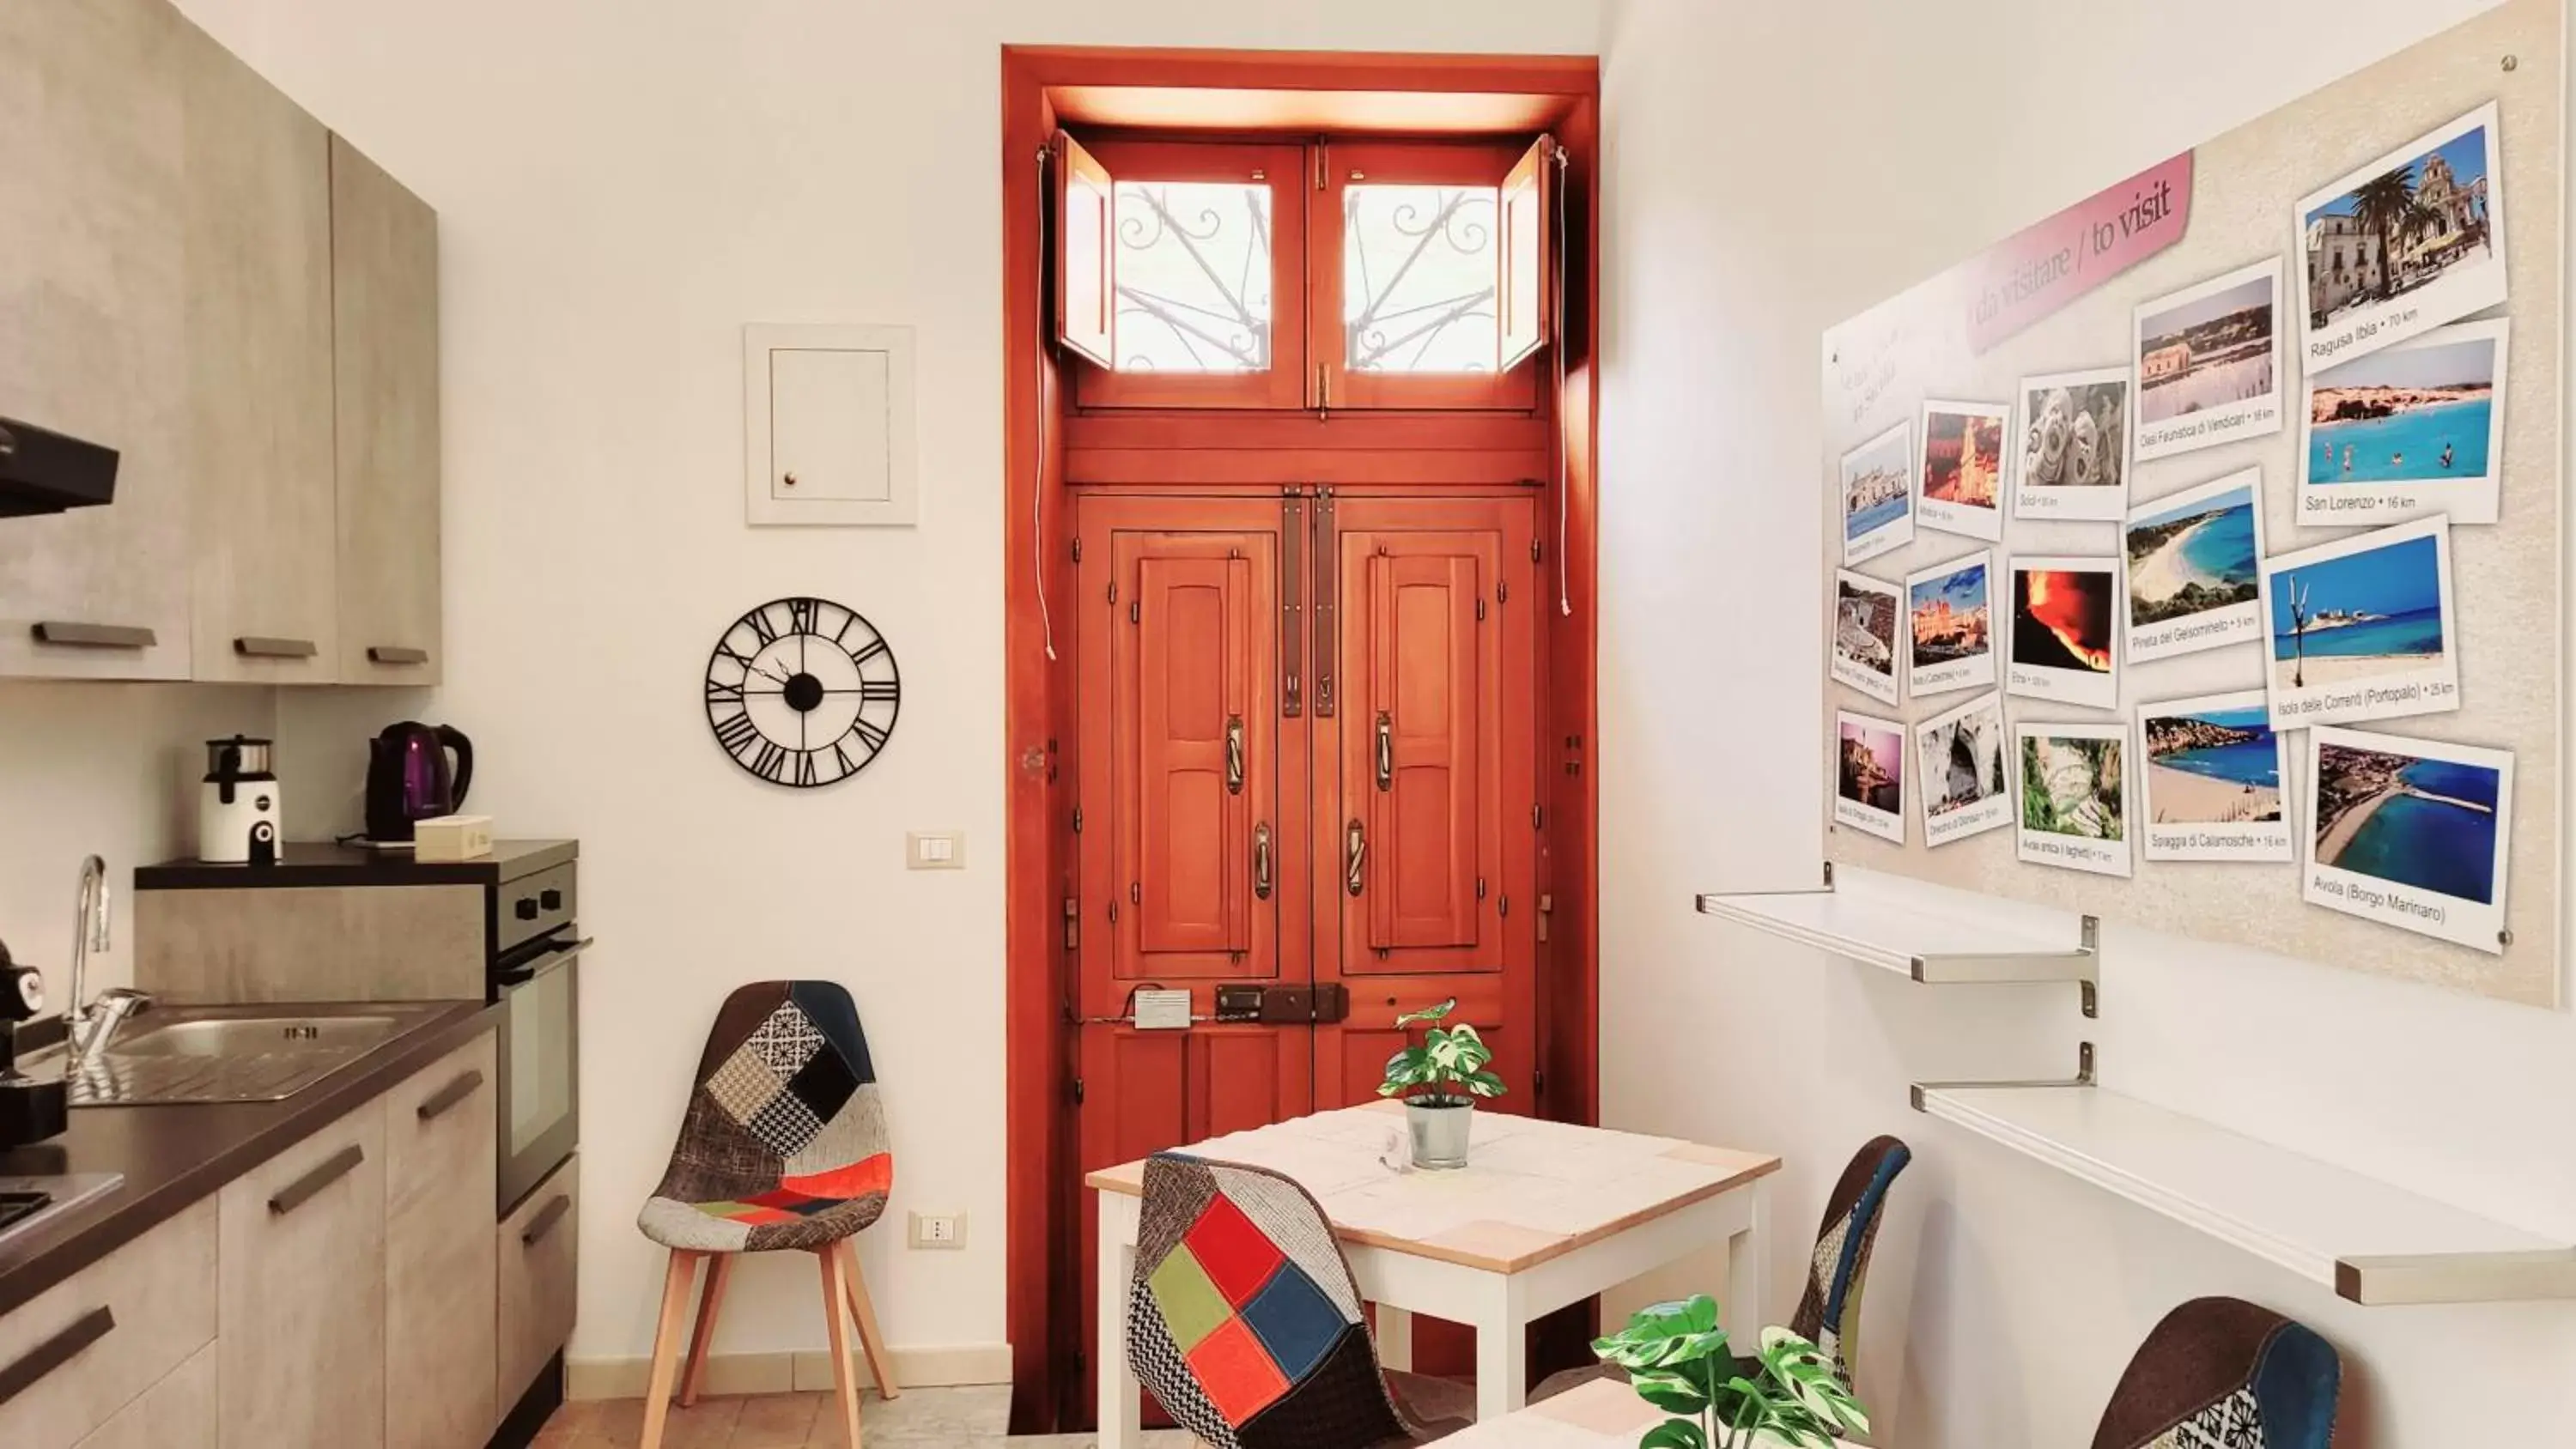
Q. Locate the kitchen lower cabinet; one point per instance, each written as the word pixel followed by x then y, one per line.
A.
pixel 176 1413
pixel 539 1246
pixel 440 1257
pixel 301 1270
pixel 109 1332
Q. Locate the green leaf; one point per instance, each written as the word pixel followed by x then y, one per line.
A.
pixel 1674 1434
pixel 1429 1013
pixel 1667 1390
pixel 1810 1379
pixel 1485 1084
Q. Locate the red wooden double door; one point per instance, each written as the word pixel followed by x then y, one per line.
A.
pixel 1306 744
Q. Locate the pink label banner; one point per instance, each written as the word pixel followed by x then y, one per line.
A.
pixel 2047 265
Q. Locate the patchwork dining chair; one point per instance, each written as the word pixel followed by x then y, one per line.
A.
pixel 783 1147
pixel 2221 1373
pixel 1244 1324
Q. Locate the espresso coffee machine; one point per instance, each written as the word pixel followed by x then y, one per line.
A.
pixel 31 1108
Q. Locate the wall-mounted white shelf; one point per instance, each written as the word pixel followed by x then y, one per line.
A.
pixel 2366 1240
pixel 1928 945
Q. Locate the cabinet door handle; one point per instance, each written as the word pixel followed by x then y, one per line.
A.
pixel 545 1220
pixel 1385 751
pixel 53 1353
pixel 396 654
pixel 252 646
pixel 1261 861
pixel 1234 754
pixel 1354 856
pixel 302 1190
pixel 67 634
pixel 454 1092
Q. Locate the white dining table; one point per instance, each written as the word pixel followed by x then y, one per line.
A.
pixel 1543 1215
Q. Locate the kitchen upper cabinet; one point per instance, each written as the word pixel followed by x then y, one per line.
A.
pixel 93 307
pixel 384 277
pixel 301 1282
pixel 441 1274
pixel 258 208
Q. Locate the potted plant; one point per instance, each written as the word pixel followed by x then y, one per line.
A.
pixel 1440 1080
pixel 1678 1360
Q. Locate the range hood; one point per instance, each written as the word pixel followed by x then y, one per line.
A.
pixel 45 472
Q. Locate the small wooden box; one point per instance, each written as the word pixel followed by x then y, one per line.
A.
pixel 446 839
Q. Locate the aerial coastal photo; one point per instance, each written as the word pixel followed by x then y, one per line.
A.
pixel 2427 823
pixel 2193 556
pixel 2419 413
pixel 2213 767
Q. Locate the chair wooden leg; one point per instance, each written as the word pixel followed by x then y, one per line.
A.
pixel 676 1283
pixel 870 1341
pixel 843 1380
pixel 710 1303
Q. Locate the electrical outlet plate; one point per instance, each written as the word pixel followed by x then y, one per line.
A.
pixel 934 850
pixel 938 1230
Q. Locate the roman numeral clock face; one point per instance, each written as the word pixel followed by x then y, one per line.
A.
pixel 803 692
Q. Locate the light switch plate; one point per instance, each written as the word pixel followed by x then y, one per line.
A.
pixel 934 850
pixel 938 1230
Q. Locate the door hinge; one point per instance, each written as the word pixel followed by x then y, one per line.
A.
pixel 1135 893
pixel 1113 913
pixel 1546 909
pixel 1480 611
pixel 1077 550
pixel 1502 591
pixel 1534 549
pixel 1077 1091
pixel 1538 1084
pixel 1503 907
pixel 1072 924
pixel 1320 162
pixel 1135 611
pixel 1538 818
pixel 1113 591
pixel 1077 820
pixel 1480 887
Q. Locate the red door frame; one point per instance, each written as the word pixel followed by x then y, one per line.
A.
pixel 1469 94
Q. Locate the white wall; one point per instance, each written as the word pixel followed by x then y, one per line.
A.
pixel 620 187
pixel 1773 169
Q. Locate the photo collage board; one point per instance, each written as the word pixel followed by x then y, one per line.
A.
pixel 2193 555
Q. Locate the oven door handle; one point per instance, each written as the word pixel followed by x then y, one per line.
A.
pixel 543 962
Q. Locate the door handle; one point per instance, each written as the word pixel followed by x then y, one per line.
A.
pixel 1261 861
pixel 1385 751
pixel 1354 856
pixel 303 1189
pixel 31 1369
pixel 1234 754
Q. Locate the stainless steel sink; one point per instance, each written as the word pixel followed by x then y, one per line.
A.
pixel 232 1053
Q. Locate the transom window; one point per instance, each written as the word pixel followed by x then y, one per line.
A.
pixel 1193 276
pixel 1420 278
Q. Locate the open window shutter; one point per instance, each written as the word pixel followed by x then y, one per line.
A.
pixel 1085 261
pixel 1527 302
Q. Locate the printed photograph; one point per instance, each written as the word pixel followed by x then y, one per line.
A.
pixel 2412 833
pixel 2405 244
pixel 2074 446
pixel 2213 765
pixel 1878 495
pixel 2412 429
pixel 2209 363
pixel 2360 629
pixel 1865 639
pixel 1962 781
pixel 1869 775
pixel 1963 468
pixel 2061 645
pixel 2196 555
pixel 2074 801
pixel 1950 609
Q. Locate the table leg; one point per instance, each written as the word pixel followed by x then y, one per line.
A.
pixel 1748 1255
pixel 1394 1337
pixel 1120 1419
pixel 1502 1354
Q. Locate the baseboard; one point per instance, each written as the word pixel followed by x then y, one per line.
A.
pixel 796 1371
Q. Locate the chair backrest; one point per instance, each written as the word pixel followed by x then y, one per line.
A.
pixel 1829 1311
pixel 2221 1371
pixel 1243 1321
pixel 785 1107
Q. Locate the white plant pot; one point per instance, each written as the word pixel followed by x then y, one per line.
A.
pixel 1439 1131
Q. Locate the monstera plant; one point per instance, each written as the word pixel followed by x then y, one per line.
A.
pixel 1440 1078
pixel 1678 1359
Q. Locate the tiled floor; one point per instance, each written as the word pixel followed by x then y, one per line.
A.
pixel 965 1418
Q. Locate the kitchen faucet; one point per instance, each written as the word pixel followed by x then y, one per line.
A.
pixel 93 1024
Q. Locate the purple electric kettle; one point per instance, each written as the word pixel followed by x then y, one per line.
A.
pixel 408 779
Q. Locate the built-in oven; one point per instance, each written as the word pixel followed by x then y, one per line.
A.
pixel 536 977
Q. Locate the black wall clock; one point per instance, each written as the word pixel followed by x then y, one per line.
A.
pixel 803 692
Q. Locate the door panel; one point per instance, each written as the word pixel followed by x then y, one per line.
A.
pixel 1422 625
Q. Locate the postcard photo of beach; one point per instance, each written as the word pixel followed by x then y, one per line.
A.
pixel 2361 628
pixel 1878 495
pixel 1867 650
pixel 1950 618
pixel 2410 833
pixel 2208 363
pixel 1869 775
pixel 2074 796
pixel 2407 431
pixel 2074 446
pixel 2396 248
pixel 2213 787
pixel 1962 471
pixel 1962 783
pixel 2195 568
pixel 2062 644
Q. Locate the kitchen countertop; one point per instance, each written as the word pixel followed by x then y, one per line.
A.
pixel 321 863
pixel 173 1156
